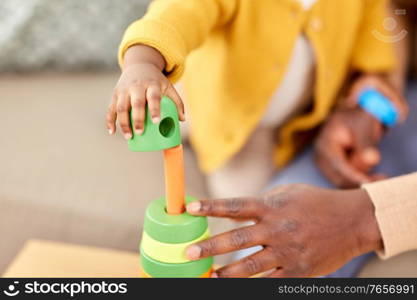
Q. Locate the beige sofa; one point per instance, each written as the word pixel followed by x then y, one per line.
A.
pixel 63 178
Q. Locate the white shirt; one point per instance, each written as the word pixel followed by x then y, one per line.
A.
pixel 296 89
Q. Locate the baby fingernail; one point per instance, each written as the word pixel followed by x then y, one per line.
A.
pixel 214 275
pixel 128 136
pixel 156 120
pixel 194 207
pixel 193 252
pixel 139 131
pixel 110 131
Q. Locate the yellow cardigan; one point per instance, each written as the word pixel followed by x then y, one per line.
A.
pixel 240 49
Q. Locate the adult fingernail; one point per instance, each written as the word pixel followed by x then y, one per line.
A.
pixel 156 120
pixel 193 252
pixel 194 207
pixel 371 155
pixel 214 275
pixel 128 136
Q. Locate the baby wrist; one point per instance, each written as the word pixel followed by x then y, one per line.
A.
pixel 140 53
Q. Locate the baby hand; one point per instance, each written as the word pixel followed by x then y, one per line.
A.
pixel 142 82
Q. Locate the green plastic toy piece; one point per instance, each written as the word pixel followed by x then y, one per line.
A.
pixel 163 135
pixel 168 253
pixel 157 269
pixel 172 229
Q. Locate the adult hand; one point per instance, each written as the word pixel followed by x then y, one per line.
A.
pixel 304 231
pixel 347 147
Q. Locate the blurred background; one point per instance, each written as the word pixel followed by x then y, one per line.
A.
pixel 62 177
pixel 64 35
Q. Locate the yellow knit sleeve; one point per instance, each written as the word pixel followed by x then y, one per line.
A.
pixel 374 48
pixel 176 27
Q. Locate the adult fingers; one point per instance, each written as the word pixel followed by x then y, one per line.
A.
pixel 259 262
pixel 366 159
pixel 378 177
pixel 346 171
pixel 335 164
pixel 365 154
pixel 288 273
pixel 239 208
pixel 278 273
pixel 234 240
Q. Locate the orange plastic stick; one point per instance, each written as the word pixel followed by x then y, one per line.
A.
pixel 174 180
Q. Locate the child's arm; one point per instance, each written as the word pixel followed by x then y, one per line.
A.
pixel 152 55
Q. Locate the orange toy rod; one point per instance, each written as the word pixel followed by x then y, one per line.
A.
pixel 174 180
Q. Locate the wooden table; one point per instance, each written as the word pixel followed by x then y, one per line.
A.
pixel 52 259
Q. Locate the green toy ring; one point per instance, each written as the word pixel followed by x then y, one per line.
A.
pixel 172 229
pixel 185 270
pixel 169 253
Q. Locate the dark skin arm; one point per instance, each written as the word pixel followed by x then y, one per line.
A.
pixel 305 231
pixel 346 149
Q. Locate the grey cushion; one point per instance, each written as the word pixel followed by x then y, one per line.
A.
pixel 64 34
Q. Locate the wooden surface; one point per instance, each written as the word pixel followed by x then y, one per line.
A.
pixel 52 259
